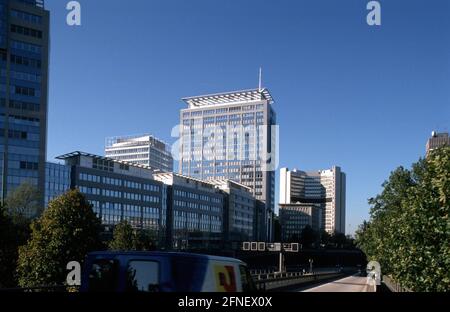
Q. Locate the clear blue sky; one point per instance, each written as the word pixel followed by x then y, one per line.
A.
pixel 346 94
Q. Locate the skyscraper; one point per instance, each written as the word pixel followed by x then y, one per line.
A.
pixel 24 46
pixel 140 149
pixel 325 187
pixel 232 136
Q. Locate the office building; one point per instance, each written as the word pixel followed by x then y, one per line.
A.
pixel 239 211
pixel 57 180
pixel 24 50
pixel 437 140
pixel 140 149
pixel 185 212
pixel 195 212
pixel 233 136
pixel 325 187
pixel 119 191
pixel 295 217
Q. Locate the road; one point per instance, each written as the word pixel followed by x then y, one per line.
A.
pixel 348 284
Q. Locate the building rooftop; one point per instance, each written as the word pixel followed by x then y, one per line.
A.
pixel 125 140
pixel 168 176
pixel 225 182
pixel 244 96
pixel 78 153
pixel 37 3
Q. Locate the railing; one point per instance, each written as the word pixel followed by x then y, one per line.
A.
pixel 273 281
pixel 393 285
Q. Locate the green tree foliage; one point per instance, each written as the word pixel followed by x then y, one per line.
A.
pixel 308 237
pixel 127 238
pixel 65 232
pixel 19 206
pixel 23 202
pixel 123 237
pixel 8 250
pixel 409 228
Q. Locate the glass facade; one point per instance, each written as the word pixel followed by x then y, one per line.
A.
pixel 23 94
pixel 57 180
pixel 231 136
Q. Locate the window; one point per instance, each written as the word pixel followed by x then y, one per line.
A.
pixel 26 31
pixel 104 275
pixel 142 276
pixel 32 18
pixel 26 61
pixel 19 45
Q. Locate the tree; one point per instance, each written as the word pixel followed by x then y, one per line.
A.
pixel 146 239
pixel 123 237
pixel 325 238
pixel 23 202
pixel 127 238
pixel 408 231
pixel 308 236
pixel 277 229
pixel 339 239
pixel 8 250
pixel 65 232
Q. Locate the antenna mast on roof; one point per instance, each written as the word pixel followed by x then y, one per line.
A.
pixel 260 80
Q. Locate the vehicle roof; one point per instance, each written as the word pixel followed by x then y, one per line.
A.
pixel 162 254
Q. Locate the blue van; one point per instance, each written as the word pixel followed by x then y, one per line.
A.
pixel 110 271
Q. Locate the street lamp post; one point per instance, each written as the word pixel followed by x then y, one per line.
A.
pixel 310 265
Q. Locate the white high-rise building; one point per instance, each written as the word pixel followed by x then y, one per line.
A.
pixel 140 149
pixel 233 136
pixel 323 188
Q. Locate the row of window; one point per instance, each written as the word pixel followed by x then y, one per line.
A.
pixel 118 182
pixel 31 18
pixel 127 151
pixel 112 181
pixel 26 91
pixel 14 134
pixel 20 105
pixel 223 110
pixel 25 61
pixel 21 76
pixel 23 120
pixel 89 177
pixel 24 46
pixel 151 199
pixel 112 193
pixel 26 31
pixel 103 164
pixel 27 165
pixel 90 190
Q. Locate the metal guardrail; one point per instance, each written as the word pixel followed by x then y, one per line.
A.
pixel 393 285
pixel 274 281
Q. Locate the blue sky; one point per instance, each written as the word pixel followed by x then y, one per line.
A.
pixel 364 98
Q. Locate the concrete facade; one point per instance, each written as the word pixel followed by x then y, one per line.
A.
pixel 295 217
pixel 327 188
pixel 141 149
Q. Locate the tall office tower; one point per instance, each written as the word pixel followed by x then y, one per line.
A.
pixel 437 140
pixel 324 187
pixel 233 136
pixel 24 47
pixel 140 149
